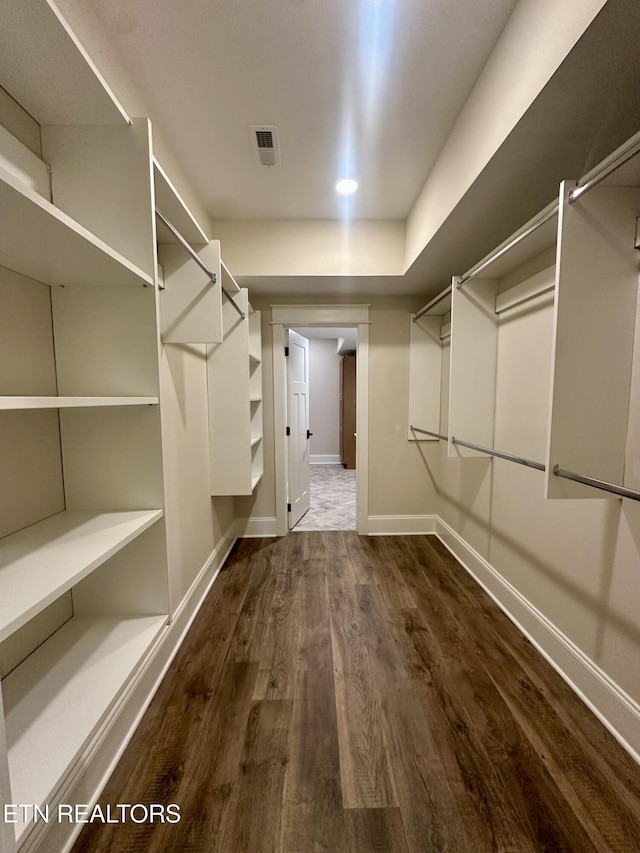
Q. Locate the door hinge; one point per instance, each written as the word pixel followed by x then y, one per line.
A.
pixel 288 507
pixel 288 429
pixel 286 351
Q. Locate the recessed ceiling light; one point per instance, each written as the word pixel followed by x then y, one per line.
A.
pixel 346 186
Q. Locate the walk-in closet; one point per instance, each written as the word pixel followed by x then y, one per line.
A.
pixel 319 426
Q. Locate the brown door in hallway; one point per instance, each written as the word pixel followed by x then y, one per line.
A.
pixel 348 411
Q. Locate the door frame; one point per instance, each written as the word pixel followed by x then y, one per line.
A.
pixel 285 316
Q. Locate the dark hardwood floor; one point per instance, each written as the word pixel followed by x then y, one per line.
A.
pixel 343 693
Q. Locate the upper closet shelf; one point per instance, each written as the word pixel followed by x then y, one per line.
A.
pixel 41 562
pixel 170 203
pixel 45 68
pixel 10 403
pixel 43 243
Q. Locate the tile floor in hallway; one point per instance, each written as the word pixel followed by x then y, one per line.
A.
pixel 333 499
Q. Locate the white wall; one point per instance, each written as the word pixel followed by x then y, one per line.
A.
pixel 324 399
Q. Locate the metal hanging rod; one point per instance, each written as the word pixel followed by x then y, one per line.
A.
pixel 428 432
pixel 520 460
pixel 446 292
pixel 545 216
pixel 597 484
pixel 234 303
pixel 623 154
pixel 211 275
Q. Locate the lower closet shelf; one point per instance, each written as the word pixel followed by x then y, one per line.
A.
pixel 57 698
pixel 41 562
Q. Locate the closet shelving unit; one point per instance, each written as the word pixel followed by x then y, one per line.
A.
pixel 519 270
pixel 234 374
pixel 83 586
pixel 584 249
pixel 595 318
pixel 190 272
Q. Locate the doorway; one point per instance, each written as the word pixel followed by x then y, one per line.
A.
pixel 321 373
pixel 285 317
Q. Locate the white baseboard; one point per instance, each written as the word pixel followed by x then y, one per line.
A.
pixel 401 525
pixel 88 775
pixel 613 707
pixel 324 459
pixel 252 528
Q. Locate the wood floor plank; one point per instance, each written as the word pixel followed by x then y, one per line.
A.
pixel 375 831
pixel 279 640
pixel 255 813
pixel 246 643
pixel 313 817
pixel 339 694
pixel 388 574
pixel 314 641
pixel 366 777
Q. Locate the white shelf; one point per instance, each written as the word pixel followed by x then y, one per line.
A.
pixel 43 243
pixel 56 699
pixel 256 440
pixel 73 402
pixel 255 400
pixel 255 479
pixel 41 562
pixel 255 359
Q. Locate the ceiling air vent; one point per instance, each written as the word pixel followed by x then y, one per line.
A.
pixel 265 144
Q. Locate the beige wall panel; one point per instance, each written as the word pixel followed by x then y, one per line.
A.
pixel 557 554
pixel 425 369
pixel 105 340
pixel 27 366
pixel 474 340
pixel 324 397
pixel 299 247
pixel 112 458
pixel 191 305
pixel 523 380
pixel 463 485
pixel 399 481
pixel 112 164
pixel 28 637
pixel 133 582
pixel 30 468
pixel 618 635
pixel 632 459
pixel 190 519
pixel 19 123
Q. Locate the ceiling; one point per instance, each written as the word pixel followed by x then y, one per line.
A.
pixel 369 89
pixel 362 88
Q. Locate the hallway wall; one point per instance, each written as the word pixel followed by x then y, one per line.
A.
pixel 324 400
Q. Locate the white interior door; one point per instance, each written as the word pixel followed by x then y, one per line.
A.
pixel 298 423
